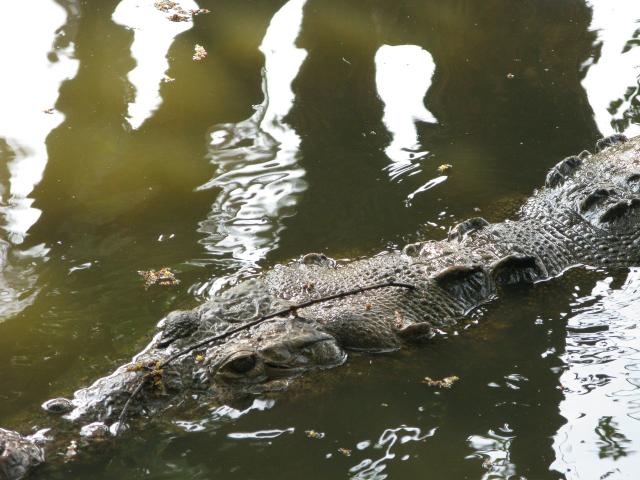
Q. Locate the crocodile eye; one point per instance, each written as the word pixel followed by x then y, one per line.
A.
pixel 242 364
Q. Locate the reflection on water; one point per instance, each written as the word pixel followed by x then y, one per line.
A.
pixel 602 384
pixel 260 434
pixel 153 34
pixel 403 77
pixel 35 72
pixel 18 277
pixel 374 469
pixel 224 412
pixel 497 130
pixel 494 451
pixel 258 176
pixel 611 81
pixel 44 60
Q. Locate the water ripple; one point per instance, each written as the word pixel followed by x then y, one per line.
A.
pixel 602 385
pixel 260 434
pixel 494 451
pixel 374 469
pixel 258 177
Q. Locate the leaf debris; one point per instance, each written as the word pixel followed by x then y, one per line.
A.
pixel 446 382
pixel 179 17
pixel 445 167
pixel 163 277
pixel 199 53
pixel 176 12
pixel 165 5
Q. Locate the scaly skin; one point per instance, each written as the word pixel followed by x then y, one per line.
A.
pixel 587 214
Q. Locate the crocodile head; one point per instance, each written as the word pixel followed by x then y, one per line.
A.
pixel 271 353
pixel 263 358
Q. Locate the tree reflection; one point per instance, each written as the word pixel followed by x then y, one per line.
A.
pixel 613 443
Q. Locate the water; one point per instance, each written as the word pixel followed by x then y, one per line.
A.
pixel 313 126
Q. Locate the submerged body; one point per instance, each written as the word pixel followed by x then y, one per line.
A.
pixel 588 213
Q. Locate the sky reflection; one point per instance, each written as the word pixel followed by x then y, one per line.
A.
pixel 403 77
pixel 153 34
pixel 611 80
pixel 601 384
pixel 391 438
pixel 258 176
pixel 44 60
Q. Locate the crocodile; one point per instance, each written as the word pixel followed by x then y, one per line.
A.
pixel 587 214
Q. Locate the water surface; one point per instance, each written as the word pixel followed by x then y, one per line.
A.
pixel 313 126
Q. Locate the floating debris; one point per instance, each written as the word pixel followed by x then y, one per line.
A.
pixel 165 5
pixel 168 79
pixel 446 382
pixel 199 53
pixel 510 76
pixel 444 168
pixel 177 13
pixel 163 277
pixel 345 451
pixel 200 11
pixel 314 434
pixel 179 17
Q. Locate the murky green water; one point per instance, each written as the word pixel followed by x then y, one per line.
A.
pixel 313 126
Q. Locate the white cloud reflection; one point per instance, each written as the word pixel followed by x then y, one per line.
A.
pixel 153 34
pixel 34 70
pixel 403 76
pixel 258 176
pixel 613 75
